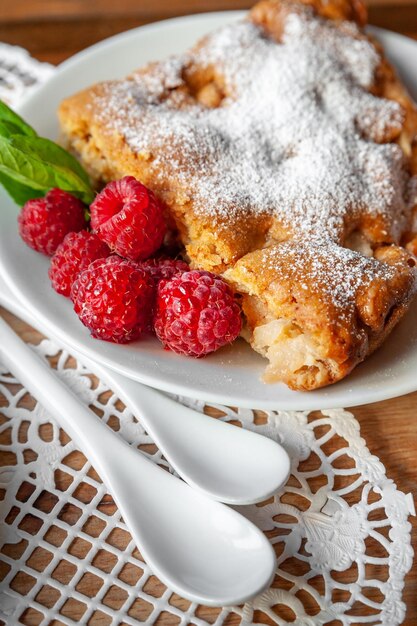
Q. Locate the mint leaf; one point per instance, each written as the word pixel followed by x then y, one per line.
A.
pixel 50 152
pixel 18 192
pixel 31 171
pixel 7 115
pixel 30 165
pixel 7 129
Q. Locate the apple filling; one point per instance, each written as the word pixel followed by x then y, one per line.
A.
pixel 292 355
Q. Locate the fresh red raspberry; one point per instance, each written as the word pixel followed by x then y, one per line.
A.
pixel 73 256
pixel 162 269
pixel 44 222
pixel 113 297
pixel 128 217
pixel 196 313
pixel 165 269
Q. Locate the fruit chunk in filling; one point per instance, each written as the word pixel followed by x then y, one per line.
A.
pixel 315 311
pixel 291 353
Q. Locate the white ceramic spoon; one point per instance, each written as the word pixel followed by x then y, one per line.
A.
pixel 229 464
pixel 203 550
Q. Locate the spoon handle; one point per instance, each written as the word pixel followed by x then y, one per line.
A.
pixel 198 547
pixel 229 464
pixel 79 421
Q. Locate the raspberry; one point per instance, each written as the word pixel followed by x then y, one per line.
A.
pixel 73 256
pixel 128 217
pixel 113 297
pixel 44 222
pixel 165 269
pixel 196 313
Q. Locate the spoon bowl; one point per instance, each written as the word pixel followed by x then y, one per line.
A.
pixel 227 463
pixel 201 549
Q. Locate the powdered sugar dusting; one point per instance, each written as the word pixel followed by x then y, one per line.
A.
pixel 336 273
pixel 298 136
pixel 292 137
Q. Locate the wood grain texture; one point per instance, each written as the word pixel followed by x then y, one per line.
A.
pixel 52 30
pixel 389 428
pixel 29 10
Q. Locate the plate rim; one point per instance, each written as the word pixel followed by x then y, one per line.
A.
pixel 125 34
pixel 305 400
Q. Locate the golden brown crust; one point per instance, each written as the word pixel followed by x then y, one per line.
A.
pixel 323 337
pixel 347 318
pixel 270 14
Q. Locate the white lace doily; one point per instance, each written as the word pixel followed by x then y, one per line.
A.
pixel 19 73
pixel 339 527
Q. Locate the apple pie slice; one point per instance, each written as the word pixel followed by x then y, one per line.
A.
pixel 283 147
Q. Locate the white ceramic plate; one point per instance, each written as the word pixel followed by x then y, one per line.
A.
pixel 232 375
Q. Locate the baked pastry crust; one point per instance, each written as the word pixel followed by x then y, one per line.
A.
pixel 284 148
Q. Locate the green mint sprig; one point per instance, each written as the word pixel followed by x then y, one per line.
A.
pixel 31 165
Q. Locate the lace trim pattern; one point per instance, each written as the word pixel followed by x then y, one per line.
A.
pixel 339 527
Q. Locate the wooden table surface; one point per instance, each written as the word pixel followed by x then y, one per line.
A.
pixel 52 30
